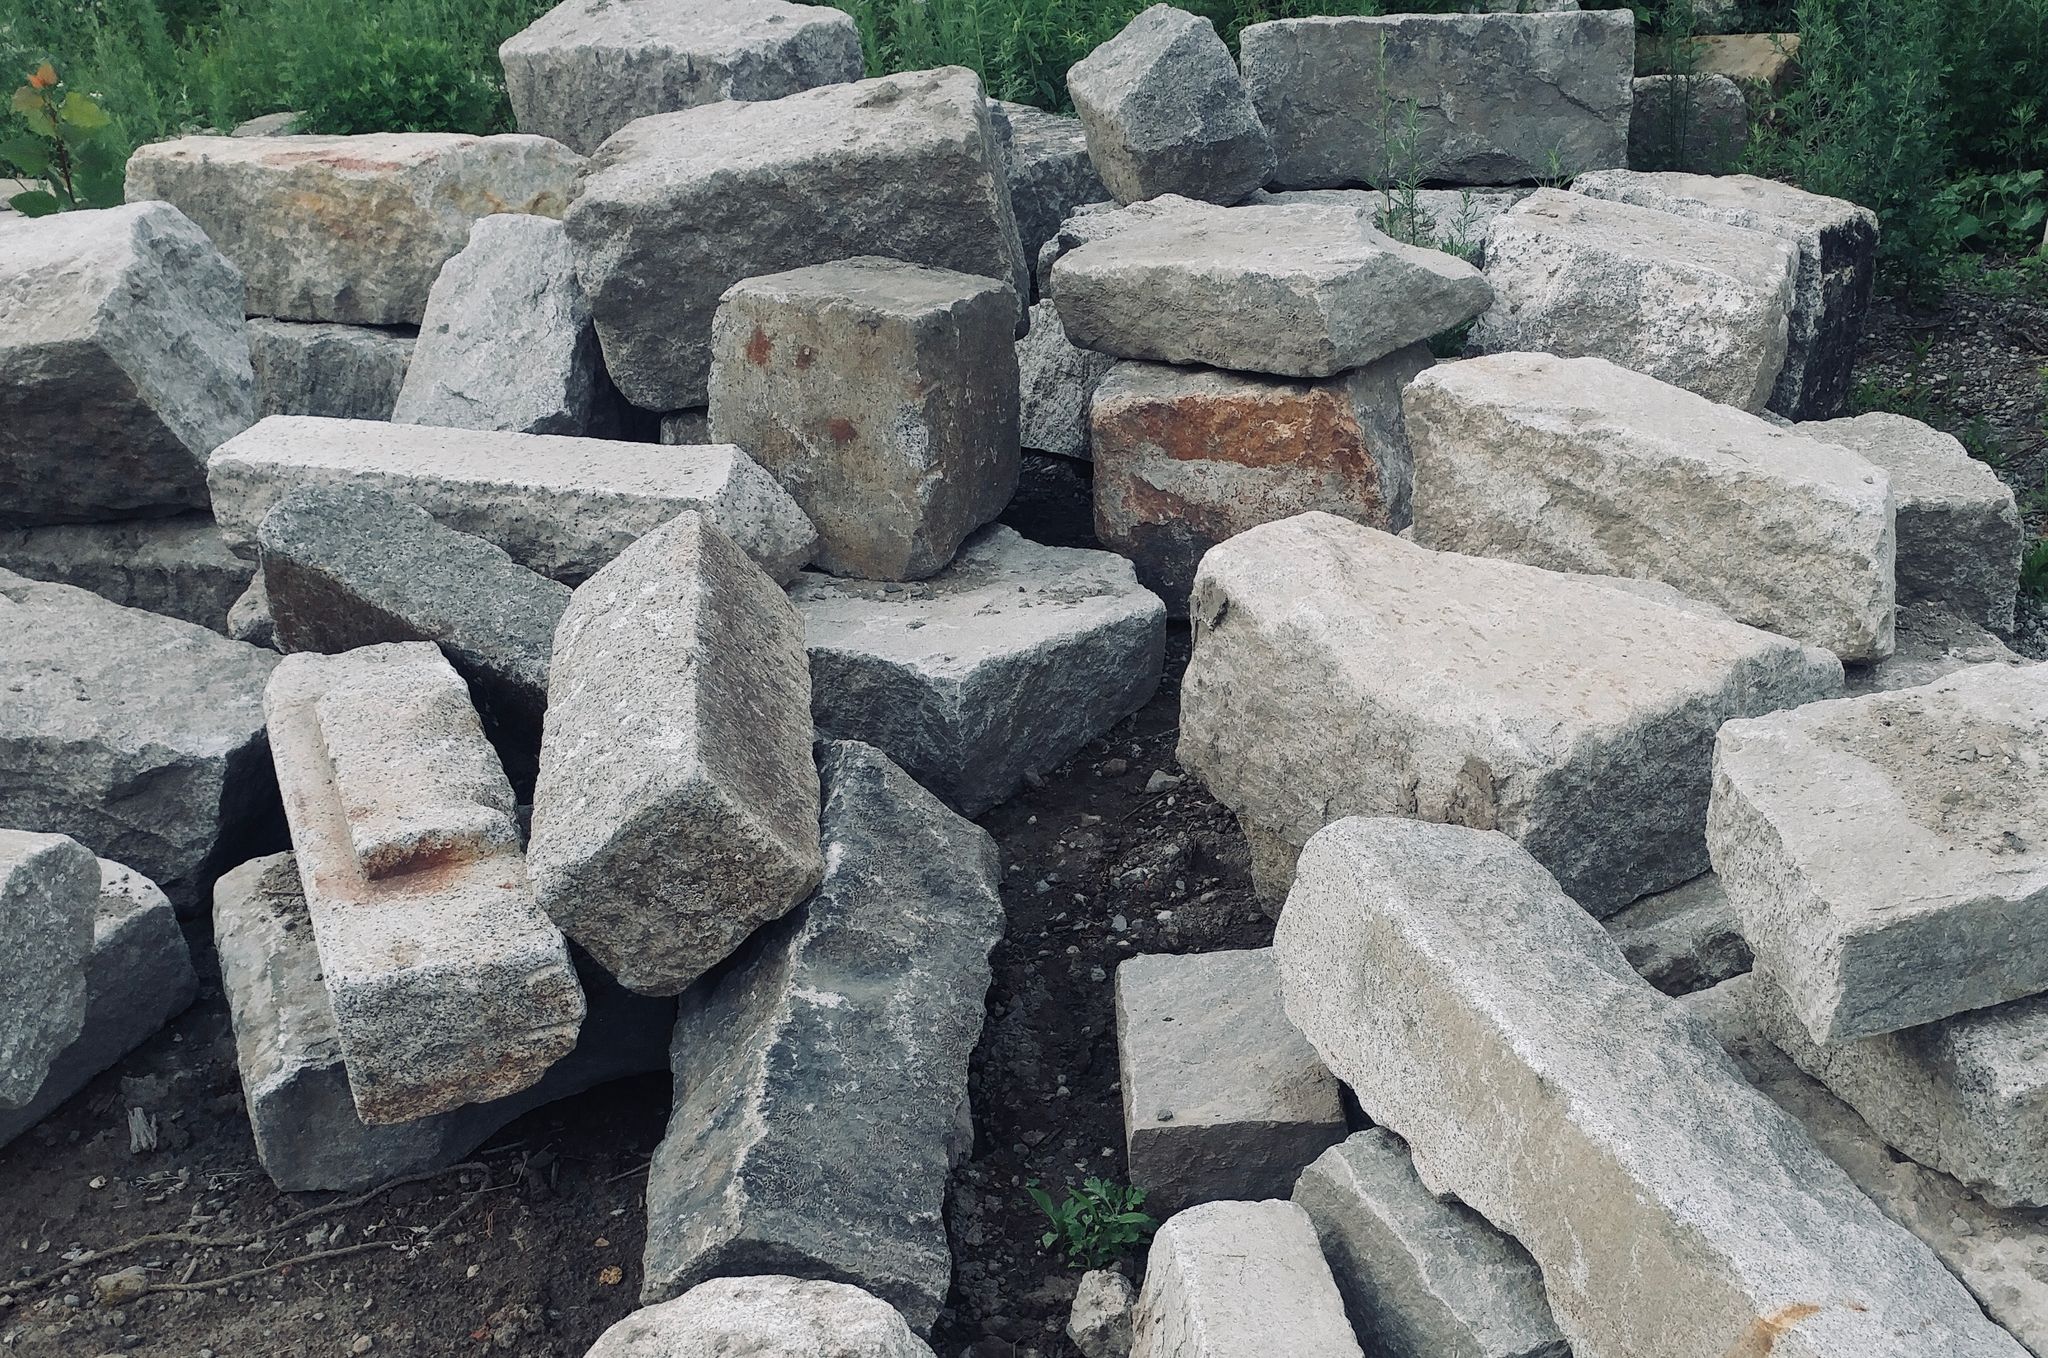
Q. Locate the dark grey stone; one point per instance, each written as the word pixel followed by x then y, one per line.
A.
pixel 342 372
pixel 180 567
pixel 1050 173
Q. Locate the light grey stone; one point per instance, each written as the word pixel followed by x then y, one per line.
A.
pixel 180 567
pixel 1099 221
pixel 289 211
pixel 840 1035
pixel 343 372
pixel 1688 301
pixel 249 619
pixel 1099 1323
pixel 1056 382
pixel 1457 99
pixel 676 809
pixel 683 205
pixel 49 888
pixel 1580 465
pixel 1695 123
pixel 1451 220
pixel 1422 1277
pixel 882 396
pixel 1932 643
pixel 1165 111
pixel 586 68
pixel 1341 671
pixel 121 337
pixel 997 668
pixel 560 506
pixel 1684 939
pixel 1289 289
pixel 448 984
pixel 1672 1209
pixel 1886 853
pixel 1232 1278
pixel 1223 1099
pixel 764 1317
pixel 267 125
pixel 1049 170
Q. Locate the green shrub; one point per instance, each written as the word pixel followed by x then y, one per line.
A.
pixel 61 137
pixel 1096 1224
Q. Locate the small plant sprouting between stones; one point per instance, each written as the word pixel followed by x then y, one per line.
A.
pixel 1098 1222
pixel 68 143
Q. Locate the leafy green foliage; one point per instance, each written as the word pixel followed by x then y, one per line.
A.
pixel 2034 570
pixel 1097 1223
pixel 63 138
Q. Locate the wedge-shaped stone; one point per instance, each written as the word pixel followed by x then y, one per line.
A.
pixel 1578 465
pixel 883 396
pixel 1422 1277
pixel 839 1036
pixel 448 984
pixel 677 805
pixel 1474 99
pixel 765 1316
pixel 1231 1278
pixel 1290 289
pixel 684 205
pixel 1056 381
pixel 1341 671
pixel 138 735
pixel 49 888
pixel 289 211
pixel 1687 122
pixel 559 506
pixel 342 372
pixel 998 667
pixel 1672 1209
pixel 1887 853
pixel 1684 939
pixel 121 338
pixel 180 567
pixel 1049 170
pixel 1694 303
pixel 586 68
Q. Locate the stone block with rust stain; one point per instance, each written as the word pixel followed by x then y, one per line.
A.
pixel 1188 457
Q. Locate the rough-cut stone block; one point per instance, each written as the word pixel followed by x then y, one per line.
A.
pixel 1421 1277
pixel 1475 99
pixel 309 1137
pixel 138 735
pixel 1341 671
pixel 1222 1098
pixel 1932 643
pixel 448 984
pixel 249 620
pixel 684 205
pixel 1695 303
pixel 764 1316
pixel 1099 1322
pixel 998 667
pixel 1234 1278
pixel 1290 289
pixel 677 805
pixel 1186 458
pixel 1451 220
pixel 1049 170
pixel 342 372
pixel 1697 123
pixel 180 567
pixel 586 68
pixel 1959 526
pixel 1886 853
pixel 126 363
pixel 1684 939
pixel 1837 244
pixel 1165 111
pixel 840 1036
pixel 1099 221
pixel 1056 382
pixel 289 211
pixel 49 888
pixel 560 506
pixel 1672 1209
pixel 1578 465
pixel 883 396
pixel 1764 64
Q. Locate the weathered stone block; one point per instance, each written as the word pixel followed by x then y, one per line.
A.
pixel 1697 123
pixel 49 888
pixel 342 372
pixel 249 620
pixel 1932 643
pixel 180 567
pixel 768 1316
pixel 1050 173
pixel 1099 221
pixel 1684 939
pixel 1764 64
pixel 1238 1278
pixel 1099 1322
pixel 1451 220
pixel 1056 381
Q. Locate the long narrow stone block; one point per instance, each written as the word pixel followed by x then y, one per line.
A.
pixel 1341 671
pixel 448 984
pixel 49 887
pixel 1231 1278
pixel 180 567
pixel 1886 853
pixel 1672 1209
pixel 1684 939
pixel 559 506
pixel 768 1316
pixel 840 1036
pixel 676 809
pixel 342 372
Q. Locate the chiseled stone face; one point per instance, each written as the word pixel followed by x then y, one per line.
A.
pixel 764 1316
pixel 343 372
pixel 1056 382
pixel 49 890
pixel 1232 1278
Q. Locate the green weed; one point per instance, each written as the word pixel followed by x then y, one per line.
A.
pixel 64 139
pixel 1097 1223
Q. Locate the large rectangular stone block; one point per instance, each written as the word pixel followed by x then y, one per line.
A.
pixel 1232 1278
pixel 180 567
pixel 49 888
pixel 342 372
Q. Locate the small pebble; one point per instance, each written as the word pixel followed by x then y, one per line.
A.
pixel 1115 768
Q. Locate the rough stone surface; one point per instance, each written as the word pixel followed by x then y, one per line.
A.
pixel 1691 302
pixel 560 506
pixel 1049 170
pixel 1421 1277
pixel 1099 221
pixel 686 427
pixel 1056 382
pixel 1932 643
pixel 1885 853
pixel 180 567
pixel 1579 465
pixel 840 1035
pixel 1186 458
pixel 343 372
pixel 1478 99
pixel 1231 1278
pixel 138 735
pixel 1341 671
pixel 1452 220
pixel 121 338
pixel 1290 289
pixel 1684 939
pixel 1764 64
pixel 448 984
pixel 288 210
pixel 764 1317
pixel 883 396
pixel 999 667
pixel 586 68
pixel 684 205
pixel 677 805
pixel 49 888
pixel 249 619
pixel 1165 111
pixel 1672 1209
pixel 1100 1321
pixel 1687 122
pixel 507 341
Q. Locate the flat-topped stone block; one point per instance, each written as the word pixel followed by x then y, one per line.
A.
pixel 49 889
pixel 1239 1278
pixel 768 1316
pixel 343 372
pixel 180 566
